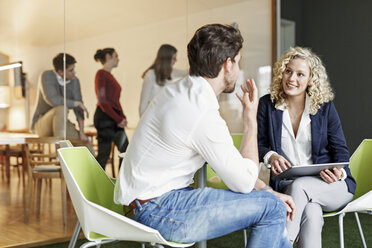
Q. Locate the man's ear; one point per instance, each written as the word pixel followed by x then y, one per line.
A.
pixel 60 72
pixel 227 65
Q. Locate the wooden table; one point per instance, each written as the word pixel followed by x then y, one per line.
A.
pixel 8 139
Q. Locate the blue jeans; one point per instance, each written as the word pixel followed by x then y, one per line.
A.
pixel 191 215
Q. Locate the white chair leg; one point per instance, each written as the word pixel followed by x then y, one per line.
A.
pixel 360 230
pixel 341 228
pixel 98 244
pixel 89 244
pixel 245 237
pixel 143 245
pixel 75 235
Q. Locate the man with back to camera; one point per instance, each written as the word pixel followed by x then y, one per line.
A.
pixel 49 113
pixel 182 129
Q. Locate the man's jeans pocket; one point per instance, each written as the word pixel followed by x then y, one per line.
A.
pixel 169 228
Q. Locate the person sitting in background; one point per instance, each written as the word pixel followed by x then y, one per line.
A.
pixel 159 74
pixel 109 118
pixel 298 125
pixel 48 119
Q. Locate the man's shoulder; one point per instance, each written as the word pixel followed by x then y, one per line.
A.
pixel 49 77
pixel 49 73
pixel 194 94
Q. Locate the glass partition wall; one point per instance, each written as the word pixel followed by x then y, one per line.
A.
pixel 31 33
pixel 34 33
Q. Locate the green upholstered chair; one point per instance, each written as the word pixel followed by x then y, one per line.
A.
pixel 91 191
pixel 361 169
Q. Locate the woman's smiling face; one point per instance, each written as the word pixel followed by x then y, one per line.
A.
pixel 296 77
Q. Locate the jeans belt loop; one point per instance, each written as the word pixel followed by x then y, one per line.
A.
pixel 138 205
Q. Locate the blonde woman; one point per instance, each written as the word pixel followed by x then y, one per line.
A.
pixel 297 125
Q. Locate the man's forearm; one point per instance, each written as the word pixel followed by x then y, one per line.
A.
pixel 260 185
pixel 248 148
pixel 81 125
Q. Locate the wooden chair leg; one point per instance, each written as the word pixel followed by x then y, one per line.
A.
pixel 64 201
pixel 28 199
pixel 18 165
pixel 38 196
pixel 24 164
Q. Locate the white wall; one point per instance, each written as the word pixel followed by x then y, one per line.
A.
pixel 137 49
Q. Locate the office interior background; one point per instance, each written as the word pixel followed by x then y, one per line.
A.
pixel 34 31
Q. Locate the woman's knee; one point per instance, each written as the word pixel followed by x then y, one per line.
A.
pixel 313 216
pixel 301 184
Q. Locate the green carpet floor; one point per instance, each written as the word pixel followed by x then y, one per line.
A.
pixel 330 235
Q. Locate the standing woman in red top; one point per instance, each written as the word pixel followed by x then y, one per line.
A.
pixel 109 118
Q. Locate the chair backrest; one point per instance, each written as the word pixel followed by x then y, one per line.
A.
pixel 92 192
pixel 361 167
pixel 92 180
pixel 41 151
pixel 64 143
pixel 237 139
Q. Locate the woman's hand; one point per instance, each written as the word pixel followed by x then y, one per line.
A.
pixel 278 164
pixel 123 123
pixel 331 177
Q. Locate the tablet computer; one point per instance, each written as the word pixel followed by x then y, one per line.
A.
pixel 308 170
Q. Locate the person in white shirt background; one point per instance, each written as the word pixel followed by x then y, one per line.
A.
pixel 160 73
pixel 181 130
pixel 298 125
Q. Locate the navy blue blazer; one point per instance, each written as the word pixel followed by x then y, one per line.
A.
pixel 328 140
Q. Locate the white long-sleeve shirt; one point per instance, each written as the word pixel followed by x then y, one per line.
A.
pixel 179 132
pixel 150 88
pixel 297 149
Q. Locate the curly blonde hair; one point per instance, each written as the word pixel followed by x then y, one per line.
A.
pixel 319 89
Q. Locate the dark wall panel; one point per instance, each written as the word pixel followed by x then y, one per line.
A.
pixel 340 32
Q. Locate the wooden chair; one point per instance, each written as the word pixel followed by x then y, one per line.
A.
pixel 43 164
pixel 16 152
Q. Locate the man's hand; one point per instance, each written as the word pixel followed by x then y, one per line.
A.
pixel 331 177
pixel 123 123
pixel 289 203
pixel 83 136
pixel 249 101
pixel 278 164
pixel 81 106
